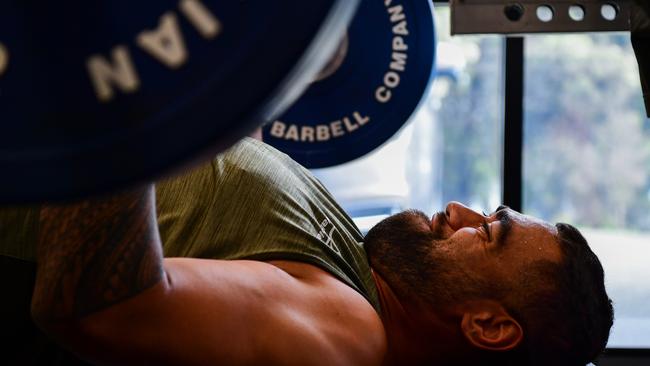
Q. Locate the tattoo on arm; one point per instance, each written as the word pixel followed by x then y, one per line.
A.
pixel 96 253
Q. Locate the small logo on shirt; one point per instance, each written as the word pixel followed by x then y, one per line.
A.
pixel 325 234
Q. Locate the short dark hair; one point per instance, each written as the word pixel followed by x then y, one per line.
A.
pixel 567 315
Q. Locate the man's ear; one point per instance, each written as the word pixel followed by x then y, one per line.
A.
pixel 487 325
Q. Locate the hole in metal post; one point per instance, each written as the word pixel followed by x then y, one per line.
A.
pixel 609 11
pixel 577 13
pixel 514 12
pixel 545 13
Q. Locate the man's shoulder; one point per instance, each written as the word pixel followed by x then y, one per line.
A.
pixel 345 325
pixel 251 151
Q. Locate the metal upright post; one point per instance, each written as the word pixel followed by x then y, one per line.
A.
pixel 514 123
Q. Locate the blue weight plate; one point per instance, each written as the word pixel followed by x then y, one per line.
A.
pixel 386 71
pixel 99 95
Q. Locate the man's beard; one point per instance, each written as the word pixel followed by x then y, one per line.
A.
pixel 404 250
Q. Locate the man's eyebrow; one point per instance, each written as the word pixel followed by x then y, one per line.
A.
pixel 503 215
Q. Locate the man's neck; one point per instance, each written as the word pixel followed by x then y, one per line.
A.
pixel 401 325
pixel 415 335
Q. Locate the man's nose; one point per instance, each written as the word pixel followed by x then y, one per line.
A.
pixel 460 216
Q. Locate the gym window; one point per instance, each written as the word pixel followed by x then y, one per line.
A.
pixel 587 160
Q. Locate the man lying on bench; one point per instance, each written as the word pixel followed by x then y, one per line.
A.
pixel 262 267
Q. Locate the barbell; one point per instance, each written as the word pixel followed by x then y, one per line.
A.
pixel 97 96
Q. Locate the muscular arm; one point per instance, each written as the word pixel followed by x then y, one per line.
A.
pixel 94 254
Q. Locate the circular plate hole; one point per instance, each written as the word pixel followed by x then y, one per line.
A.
pixel 4 58
pixel 545 13
pixel 577 13
pixel 609 11
pixel 335 61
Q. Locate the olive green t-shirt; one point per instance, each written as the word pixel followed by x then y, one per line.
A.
pixel 250 202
